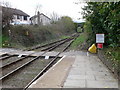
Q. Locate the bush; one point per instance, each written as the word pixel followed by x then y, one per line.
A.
pixel 104 18
pixel 89 32
pixel 30 35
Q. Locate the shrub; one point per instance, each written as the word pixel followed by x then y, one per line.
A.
pixel 30 35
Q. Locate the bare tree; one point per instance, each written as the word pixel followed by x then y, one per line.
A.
pixel 37 8
pixel 7 16
pixel 0 21
pixel 54 17
pixel 7 13
pixel 5 4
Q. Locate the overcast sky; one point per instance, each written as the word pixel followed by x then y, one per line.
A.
pixel 61 7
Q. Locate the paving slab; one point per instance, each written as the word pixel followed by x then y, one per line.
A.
pixel 105 78
pixel 72 83
pixel 80 77
pixel 73 53
pixel 89 72
pixel 102 84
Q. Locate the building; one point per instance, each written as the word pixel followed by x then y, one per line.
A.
pixel 40 19
pixel 18 16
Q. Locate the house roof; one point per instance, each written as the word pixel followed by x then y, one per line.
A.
pixel 40 14
pixel 14 11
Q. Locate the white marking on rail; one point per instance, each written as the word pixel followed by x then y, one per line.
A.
pixel 20 55
pixel 46 57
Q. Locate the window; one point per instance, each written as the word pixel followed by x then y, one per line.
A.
pixel 25 17
pixel 21 18
pixel 18 17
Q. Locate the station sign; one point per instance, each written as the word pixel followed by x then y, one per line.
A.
pixel 100 38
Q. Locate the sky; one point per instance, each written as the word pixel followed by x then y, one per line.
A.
pixel 60 7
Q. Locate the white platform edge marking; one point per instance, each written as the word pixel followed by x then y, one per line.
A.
pixel 47 71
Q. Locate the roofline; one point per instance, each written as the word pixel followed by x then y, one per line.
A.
pixel 45 16
pixel 41 14
pixel 18 10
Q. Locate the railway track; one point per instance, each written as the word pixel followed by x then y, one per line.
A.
pixel 40 47
pixel 5 56
pixel 27 69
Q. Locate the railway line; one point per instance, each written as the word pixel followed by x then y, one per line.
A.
pixel 5 56
pixel 27 69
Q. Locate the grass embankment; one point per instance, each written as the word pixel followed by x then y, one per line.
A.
pixel 4 41
pixel 31 35
pixel 0 41
pixel 79 41
pixel 28 36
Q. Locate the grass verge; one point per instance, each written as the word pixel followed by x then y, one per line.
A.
pixel 80 40
pixel 113 54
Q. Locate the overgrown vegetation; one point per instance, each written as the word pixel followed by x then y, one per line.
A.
pixel 113 54
pixel 28 35
pixel 104 17
pixel 79 41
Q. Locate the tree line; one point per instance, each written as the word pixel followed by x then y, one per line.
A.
pixel 104 17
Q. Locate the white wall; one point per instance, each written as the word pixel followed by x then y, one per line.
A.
pixel 21 20
pixel 44 20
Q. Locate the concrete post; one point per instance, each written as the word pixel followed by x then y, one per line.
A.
pixel 38 18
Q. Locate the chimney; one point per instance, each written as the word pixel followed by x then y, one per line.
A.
pixel 38 14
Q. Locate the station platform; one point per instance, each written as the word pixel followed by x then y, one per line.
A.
pixel 77 71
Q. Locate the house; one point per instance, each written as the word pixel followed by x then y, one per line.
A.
pixel 40 19
pixel 18 16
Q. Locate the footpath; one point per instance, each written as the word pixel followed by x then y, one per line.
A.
pixel 77 71
pixel 90 72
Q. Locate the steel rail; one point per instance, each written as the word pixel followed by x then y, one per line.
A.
pixel 18 60
pixel 3 77
pixel 40 46
pixel 56 45
pixel 2 58
pixel 48 66
pixel 49 49
pixel 4 54
pixel 20 67
pixel 59 44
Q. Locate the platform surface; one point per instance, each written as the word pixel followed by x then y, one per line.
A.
pixel 76 70
pixel 85 71
pixel 90 72
pixel 55 77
